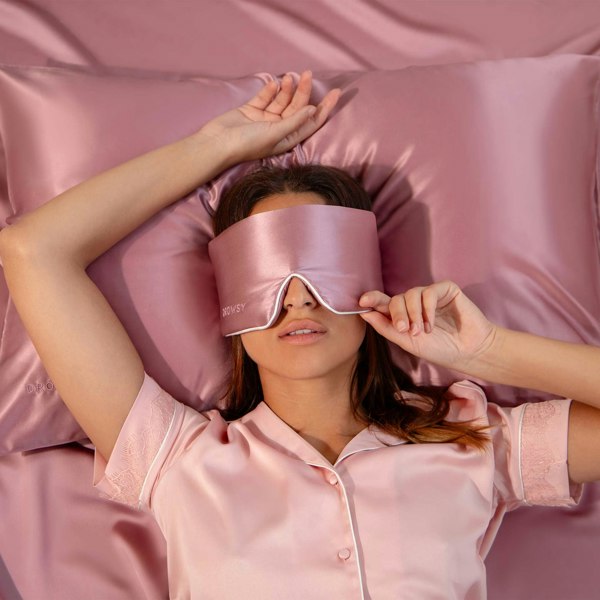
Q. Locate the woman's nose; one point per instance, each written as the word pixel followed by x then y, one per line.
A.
pixel 297 295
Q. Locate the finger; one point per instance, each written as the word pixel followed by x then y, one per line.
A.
pixel 399 313
pixel 430 301
pixel 281 101
pixel 318 118
pixel 265 95
pixel 301 125
pixel 446 292
pixel 301 95
pixel 293 129
pixel 414 306
pixel 326 106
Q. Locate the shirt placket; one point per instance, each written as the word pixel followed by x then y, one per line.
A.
pixel 348 550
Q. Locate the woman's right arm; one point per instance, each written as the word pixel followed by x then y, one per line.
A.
pixel 86 220
pixel 84 347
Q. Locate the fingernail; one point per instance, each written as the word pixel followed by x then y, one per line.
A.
pixel 415 329
pixel 402 326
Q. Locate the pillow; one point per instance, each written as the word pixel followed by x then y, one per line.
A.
pixel 483 173
pixel 159 280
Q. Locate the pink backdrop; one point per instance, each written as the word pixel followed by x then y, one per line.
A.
pixel 58 539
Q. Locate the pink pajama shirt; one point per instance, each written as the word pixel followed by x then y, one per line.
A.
pixel 250 510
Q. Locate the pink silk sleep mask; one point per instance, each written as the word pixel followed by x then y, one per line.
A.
pixel 334 250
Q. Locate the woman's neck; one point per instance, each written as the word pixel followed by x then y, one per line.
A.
pixel 318 409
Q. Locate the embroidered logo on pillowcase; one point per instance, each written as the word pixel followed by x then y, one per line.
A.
pixel 36 388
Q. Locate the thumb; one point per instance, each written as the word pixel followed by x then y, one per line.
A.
pixel 305 113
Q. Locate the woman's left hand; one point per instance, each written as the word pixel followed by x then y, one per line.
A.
pixel 272 122
pixel 459 333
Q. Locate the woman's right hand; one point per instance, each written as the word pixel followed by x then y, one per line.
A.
pixel 272 122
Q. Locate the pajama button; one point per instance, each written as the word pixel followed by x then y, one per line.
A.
pixel 333 479
pixel 345 553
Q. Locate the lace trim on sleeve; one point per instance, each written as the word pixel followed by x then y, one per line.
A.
pixel 139 449
pixel 544 472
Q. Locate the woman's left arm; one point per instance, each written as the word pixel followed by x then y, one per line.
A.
pixel 461 338
pixel 566 369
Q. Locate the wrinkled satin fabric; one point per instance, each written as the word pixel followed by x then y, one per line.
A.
pixel 334 250
pixel 60 541
pixel 483 157
pixel 499 153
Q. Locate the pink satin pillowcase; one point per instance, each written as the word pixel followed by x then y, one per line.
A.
pixel 482 172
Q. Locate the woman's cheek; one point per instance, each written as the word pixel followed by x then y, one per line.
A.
pixel 255 343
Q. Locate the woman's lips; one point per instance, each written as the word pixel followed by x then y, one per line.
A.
pixel 302 338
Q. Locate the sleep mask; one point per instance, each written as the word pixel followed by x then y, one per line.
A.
pixel 334 250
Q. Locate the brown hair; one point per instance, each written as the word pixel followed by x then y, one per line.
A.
pixel 377 382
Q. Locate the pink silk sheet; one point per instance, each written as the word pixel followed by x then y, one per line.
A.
pixel 58 538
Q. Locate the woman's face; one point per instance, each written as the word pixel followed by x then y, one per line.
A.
pixel 336 348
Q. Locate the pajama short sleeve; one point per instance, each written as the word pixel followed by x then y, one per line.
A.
pixel 156 432
pixel 530 447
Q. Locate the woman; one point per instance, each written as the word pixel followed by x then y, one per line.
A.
pixel 297 498
pixel 351 362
